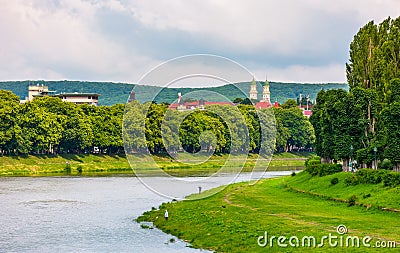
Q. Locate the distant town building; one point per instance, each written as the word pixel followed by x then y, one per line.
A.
pixel 74 97
pixel 200 104
pixel 37 90
pixel 253 90
pixel 307 109
pixel 79 98
pixel 192 105
pixel 266 97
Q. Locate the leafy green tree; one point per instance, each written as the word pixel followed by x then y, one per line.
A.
pixel 170 130
pixel 107 128
pixel 391 119
pixel 153 131
pixel 197 123
pixel 238 100
pixel 246 101
pixel 236 130
pixel 301 133
pixel 9 110
pixel 290 103
pixel 41 129
pixel 282 136
pixel 134 125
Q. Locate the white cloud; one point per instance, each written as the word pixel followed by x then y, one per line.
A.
pixel 334 73
pixel 284 26
pixel 48 41
pixel 72 39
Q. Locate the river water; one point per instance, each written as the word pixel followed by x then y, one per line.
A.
pixel 87 214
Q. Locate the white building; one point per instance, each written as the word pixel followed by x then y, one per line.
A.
pixel 75 97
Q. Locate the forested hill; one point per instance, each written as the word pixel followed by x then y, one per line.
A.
pixel 113 93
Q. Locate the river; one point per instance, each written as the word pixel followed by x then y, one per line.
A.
pixel 87 214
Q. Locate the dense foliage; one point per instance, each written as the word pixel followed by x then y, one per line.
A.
pixel 48 125
pixel 367 176
pixel 223 129
pixel 352 125
pixel 316 168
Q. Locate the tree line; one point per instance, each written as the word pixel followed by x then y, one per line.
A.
pixel 364 123
pixel 47 125
pixel 220 128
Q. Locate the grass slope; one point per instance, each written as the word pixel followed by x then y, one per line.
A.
pixel 368 195
pixel 232 220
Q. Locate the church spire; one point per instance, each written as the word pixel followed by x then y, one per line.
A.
pixel 266 95
pixel 266 83
pixel 253 90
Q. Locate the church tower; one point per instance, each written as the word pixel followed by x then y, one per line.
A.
pixel 253 90
pixel 266 95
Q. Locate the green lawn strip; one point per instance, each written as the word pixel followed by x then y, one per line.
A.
pixel 234 218
pixel 56 164
pixel 368 195
pixel 100 163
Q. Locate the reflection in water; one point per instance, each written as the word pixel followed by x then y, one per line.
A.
pixel 61 214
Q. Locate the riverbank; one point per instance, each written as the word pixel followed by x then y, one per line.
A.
pixel 234 219
pixel 100 164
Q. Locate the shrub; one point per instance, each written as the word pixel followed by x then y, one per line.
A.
pixel 144 226
pixel 351 180
pixel 328 169
pixel 352 200
pixel 312 161
pixel 323 169
pixel 68 168
pixel 370 176
pixel 334 181
pixel 293 174
pixel 386 165
pixel 79 169
pixel 366 195
pixel 391 179
pixel 311 164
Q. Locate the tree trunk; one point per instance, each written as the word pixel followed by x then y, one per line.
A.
pixel 345 165
pixel 397 167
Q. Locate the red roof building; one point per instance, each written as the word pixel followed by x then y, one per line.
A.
pixel 199 104
pixel 263 105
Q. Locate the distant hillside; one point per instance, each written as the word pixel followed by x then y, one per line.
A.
pixel 113 93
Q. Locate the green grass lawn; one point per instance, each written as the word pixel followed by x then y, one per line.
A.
pixel 368 195
pixel 233 219
pixel 42 165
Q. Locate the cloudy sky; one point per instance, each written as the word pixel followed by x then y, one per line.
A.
pixel 121 40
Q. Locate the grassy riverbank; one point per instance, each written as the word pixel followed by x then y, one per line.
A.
pixel 375 196
pixel 99 164
pixel 233 219
pixel 42 165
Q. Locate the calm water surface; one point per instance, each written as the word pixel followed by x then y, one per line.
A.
pixel 87 214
